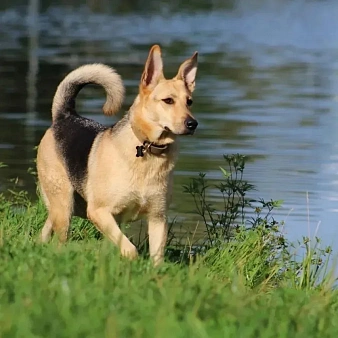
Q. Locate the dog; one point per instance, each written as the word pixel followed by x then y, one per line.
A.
pixel 121 173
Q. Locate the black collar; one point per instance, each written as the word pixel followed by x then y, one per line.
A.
pixel 155 149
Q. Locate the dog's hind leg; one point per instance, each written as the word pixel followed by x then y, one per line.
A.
pixel 56 189
pixel 105 223
pixel 46 231
pixel 60 207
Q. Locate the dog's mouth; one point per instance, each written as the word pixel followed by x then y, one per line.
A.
pixel 186 132
pixel 190 132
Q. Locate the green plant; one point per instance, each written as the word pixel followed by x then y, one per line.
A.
pixel 221 220
pixel 311 268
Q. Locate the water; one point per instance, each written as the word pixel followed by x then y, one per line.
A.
pixel 267 87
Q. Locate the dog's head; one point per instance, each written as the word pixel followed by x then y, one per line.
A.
pixel 162 109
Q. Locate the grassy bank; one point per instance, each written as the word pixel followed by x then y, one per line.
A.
pixel 245 280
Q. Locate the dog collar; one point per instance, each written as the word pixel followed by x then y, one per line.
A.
pixel 155 149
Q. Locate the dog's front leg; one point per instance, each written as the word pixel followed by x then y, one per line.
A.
pixel 105 222
pixel 157 229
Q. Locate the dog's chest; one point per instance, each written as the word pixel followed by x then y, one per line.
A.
pixel 135 206
pixel 144 191
pixel 132 212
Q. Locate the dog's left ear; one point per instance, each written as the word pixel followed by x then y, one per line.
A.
pixel 153 70
pixel 187 72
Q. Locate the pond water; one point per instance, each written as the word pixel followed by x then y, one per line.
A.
pixel 267 87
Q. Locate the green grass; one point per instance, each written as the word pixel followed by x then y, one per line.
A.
pixel 252 284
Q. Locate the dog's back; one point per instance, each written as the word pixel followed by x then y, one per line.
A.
pixel 74 136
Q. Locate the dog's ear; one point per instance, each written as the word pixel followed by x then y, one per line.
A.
pixel 187 72
pixel 153 70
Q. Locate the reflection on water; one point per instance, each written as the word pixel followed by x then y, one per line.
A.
pixel 267 87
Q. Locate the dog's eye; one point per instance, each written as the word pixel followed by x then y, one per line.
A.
pixel 189 102
pixel 168 100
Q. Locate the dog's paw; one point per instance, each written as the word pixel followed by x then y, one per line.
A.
pixel 129 250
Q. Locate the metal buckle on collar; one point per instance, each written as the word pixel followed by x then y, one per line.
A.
pixel 140 150
pixel 152 148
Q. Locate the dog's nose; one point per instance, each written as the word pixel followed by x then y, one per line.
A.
pixel 190 123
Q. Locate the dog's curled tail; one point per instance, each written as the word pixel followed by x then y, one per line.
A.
pixel 100 74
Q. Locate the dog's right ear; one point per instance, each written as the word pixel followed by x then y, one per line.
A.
pixel 153 70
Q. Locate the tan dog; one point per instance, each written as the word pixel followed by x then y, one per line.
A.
pixel 119 173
